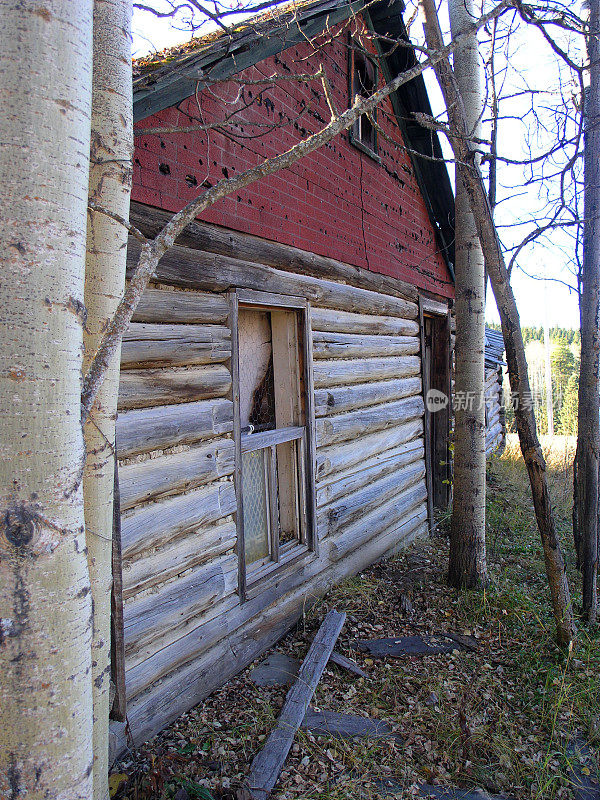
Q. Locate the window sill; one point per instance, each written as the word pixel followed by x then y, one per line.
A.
pixel 265 577
pixel 364 148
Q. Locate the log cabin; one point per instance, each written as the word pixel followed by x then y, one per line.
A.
pixel 272 434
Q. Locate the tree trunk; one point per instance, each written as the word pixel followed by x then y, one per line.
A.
pixel 513 339
pixel 110 186
pixel 467 564
pixel 45 602
pixel 588 430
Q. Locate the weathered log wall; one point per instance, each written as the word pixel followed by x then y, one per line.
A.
pixel 185 629
pixel 495 436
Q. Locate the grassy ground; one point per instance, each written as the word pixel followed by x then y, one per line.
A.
pixel 501 718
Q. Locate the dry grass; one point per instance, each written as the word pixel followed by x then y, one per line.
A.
pixel 500 718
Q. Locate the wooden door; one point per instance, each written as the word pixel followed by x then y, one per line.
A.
pixel 435 342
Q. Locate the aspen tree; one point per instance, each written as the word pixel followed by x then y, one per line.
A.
pixel 45 600
pixel 467 564
pixel 111 151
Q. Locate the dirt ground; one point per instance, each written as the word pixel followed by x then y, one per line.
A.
pixel 502 718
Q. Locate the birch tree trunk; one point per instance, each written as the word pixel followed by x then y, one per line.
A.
pixel 111 151
pixel 45 602
pixel 588 430
pixel 513 339
pixel 467 564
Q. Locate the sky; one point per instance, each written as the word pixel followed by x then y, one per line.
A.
pixel 539 301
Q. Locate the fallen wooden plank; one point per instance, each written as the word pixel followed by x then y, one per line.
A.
pixel 579 754
pixel 411 646
pixel 345 726
pixel 267 764
pixel 347 663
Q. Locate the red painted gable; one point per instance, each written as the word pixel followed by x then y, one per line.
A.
pixel 338 201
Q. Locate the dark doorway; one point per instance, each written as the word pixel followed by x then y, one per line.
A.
pixel 435 342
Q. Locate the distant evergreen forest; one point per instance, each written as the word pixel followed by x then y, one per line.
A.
pixel 565 344
pixel 531 333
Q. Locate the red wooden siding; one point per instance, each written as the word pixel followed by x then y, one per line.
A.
pixel 337 202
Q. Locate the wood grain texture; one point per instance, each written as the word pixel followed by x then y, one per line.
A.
pixel 349 398
pixel 356 424
pixel 158 565
pixel 351 345
pixel 176 603
pixel 337 516
pixel 339 457
pixel 267 764
pixel 159 345
pixel 170 306
pixel 396 514
pixel 139 431
pixel 202 236
pixel 370 472
pixel 346 371
pixel 331 319
pixel 175 473
pixel 158 387
pixel 206 271
pixel 159 523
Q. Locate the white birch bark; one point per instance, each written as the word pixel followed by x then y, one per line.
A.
pixel 111 151
pixel 467 564
pixel 45 602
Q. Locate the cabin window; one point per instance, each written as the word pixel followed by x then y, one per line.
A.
pixel 363 81
pixel 273 434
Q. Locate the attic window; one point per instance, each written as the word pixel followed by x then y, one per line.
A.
pixel 363 75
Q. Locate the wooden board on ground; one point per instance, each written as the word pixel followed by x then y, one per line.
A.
pixel 348 664
pixel 267 764
pixel 410 646
pixel 584 787
pixel 346 726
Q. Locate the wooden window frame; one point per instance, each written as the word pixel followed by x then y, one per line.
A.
pixel 263 574
pixel 355 50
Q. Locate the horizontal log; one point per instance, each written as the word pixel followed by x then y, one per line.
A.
pixel 156 566
pixel 338 457
pixel 140 431
pixel 434 306
pixel 154 387
pixel 371 472
pixel 154 345
pixel 175 604
pixel 206 662
pixel 401 509
pixel 198 269
pixel 357 505
pixel 359 423
pixel 337 399
pixel 402 535
pixel 175 473
pixel 343 372
pixel 356 345
pixel 331 319
pixel 169 305
pixel 159 523
pixel 202 236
